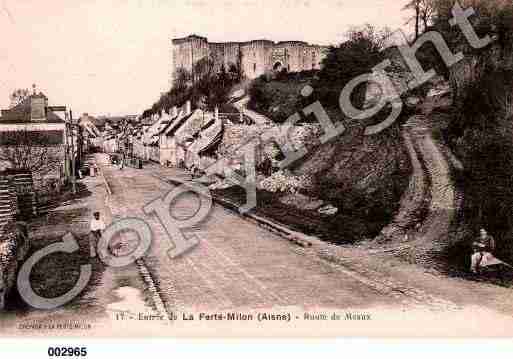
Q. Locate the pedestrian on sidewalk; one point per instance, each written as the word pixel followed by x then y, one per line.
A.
pixel 483 248
pixel 97 226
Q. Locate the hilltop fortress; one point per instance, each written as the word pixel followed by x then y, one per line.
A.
pixel 254 57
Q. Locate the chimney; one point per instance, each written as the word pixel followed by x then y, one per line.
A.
pixel 38 104
pixel 216 113
pixel 188 107
pixel 174 112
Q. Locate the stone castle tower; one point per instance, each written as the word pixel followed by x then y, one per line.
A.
pixel 253 57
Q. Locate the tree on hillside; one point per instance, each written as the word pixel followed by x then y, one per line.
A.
pixel 352 58
pixel 146 113
pixel 493 17
pixel 209 81
pixel 204 68
pixel 423 12
pixel 235 72
pixel 215 88
pixel 181 79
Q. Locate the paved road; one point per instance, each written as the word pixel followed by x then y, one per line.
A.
pixel 237 265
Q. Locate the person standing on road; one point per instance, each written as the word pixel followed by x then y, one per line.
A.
pixel 483 247
pixel 97 226
pixel 122 161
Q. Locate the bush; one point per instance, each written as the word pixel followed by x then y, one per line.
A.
pixel 279 98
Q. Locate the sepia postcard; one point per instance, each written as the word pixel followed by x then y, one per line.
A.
pixel 256 168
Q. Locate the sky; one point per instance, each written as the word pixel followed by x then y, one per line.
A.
pixel 112 57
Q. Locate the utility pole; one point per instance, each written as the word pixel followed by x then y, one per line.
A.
pixel 80 145
pixel 66 146
pixel 192 64
pixel 73 156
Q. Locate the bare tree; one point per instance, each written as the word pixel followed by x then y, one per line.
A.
pixel 30 150
pixel 427 13
pixel 18 96
pixel 423 12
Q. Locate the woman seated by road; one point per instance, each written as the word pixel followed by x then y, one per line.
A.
pixel 483 249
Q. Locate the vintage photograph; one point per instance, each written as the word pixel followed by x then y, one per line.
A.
pixel 256 168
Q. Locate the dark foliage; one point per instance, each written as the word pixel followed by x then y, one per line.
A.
pixel 482 135
pixel 481 132
pixel 206 85
pixel 352 58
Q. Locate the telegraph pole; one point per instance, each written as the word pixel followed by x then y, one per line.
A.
pixel 66 146
pixel 80 145
pixel 73 173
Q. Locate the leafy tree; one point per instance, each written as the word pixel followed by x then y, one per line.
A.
pixel 235 72
pixel 182 79
pixel 206 83
pixel 204 68
pixel 352 58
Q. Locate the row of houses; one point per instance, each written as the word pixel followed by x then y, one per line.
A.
pixel 182 138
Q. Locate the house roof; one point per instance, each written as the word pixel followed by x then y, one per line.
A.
pixel 167 123
pixel 21 113
pixel 174 126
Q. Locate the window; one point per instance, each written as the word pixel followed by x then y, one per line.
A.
pixel 254 67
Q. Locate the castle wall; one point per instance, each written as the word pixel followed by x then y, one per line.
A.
pixel 188 51
pixel 231 54
pixel 293 55
pixel 255 57
pixel 226 54
pixel 217 52
pixel 318 54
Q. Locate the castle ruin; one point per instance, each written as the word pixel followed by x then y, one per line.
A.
pixel 253 57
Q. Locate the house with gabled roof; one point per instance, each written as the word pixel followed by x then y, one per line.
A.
pixel 38 127
pixel 167 142
pixel 189 137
